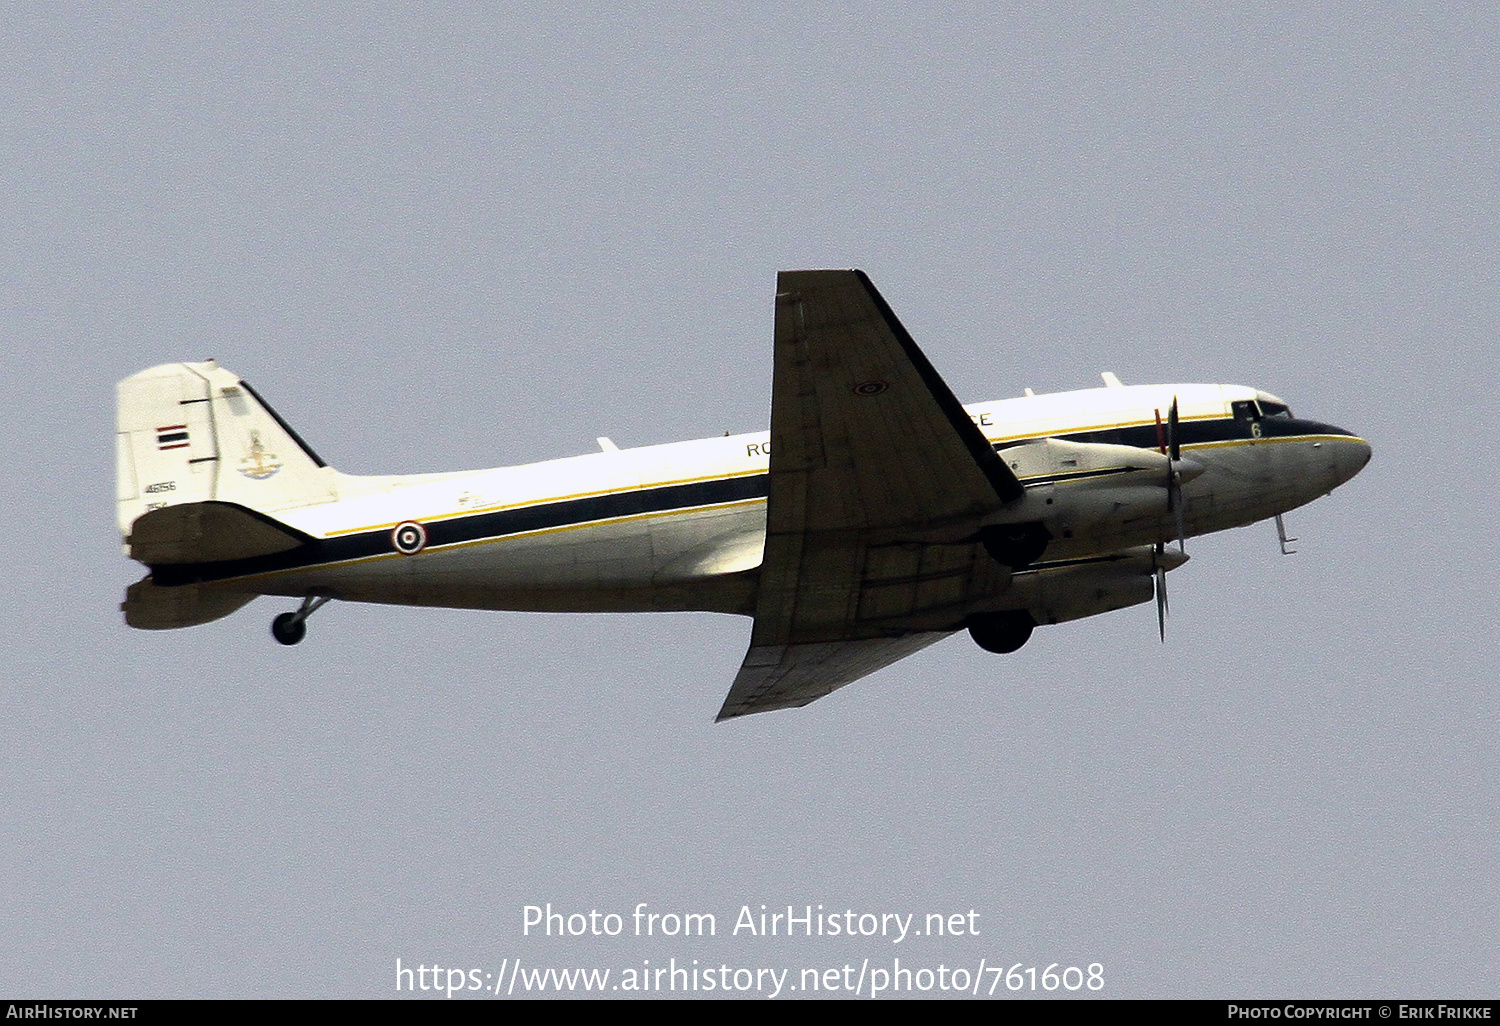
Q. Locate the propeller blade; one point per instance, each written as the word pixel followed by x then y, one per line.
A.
pixel 1161 595
pixel 1174 476
pixel 1174 447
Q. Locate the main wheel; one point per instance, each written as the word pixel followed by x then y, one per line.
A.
pixel 288 629
pixel 1001 632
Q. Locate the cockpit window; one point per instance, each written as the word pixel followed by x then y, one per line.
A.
pixel 1250 409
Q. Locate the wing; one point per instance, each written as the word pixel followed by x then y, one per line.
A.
pixel 788 676
pixel 878 483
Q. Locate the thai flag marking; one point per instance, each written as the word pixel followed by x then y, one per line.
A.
pixel 173 436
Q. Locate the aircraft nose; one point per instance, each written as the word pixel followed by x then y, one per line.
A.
pixel 1350 456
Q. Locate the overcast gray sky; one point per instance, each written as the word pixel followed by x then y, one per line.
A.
pixel 445 237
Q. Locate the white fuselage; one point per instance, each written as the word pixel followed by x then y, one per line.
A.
pixel 681 526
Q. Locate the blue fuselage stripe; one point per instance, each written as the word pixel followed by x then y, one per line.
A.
pixel 661 499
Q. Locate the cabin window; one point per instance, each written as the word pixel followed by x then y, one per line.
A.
pixel 1245 410
pixel 1278 410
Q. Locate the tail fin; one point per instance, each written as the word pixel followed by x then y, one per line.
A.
pixel 194 433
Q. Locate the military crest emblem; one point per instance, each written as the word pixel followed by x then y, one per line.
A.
pixel 260 464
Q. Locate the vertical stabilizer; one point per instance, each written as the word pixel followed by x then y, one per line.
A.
pixel 194 432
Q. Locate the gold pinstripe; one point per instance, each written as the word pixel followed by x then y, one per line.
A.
pixel 1229 442
pixel 1107 426
pixel 695 480
pixel 1224 443
pixel 499 538
pixel 545 502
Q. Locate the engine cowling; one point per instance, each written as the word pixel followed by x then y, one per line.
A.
pixel 1056 594
pixel 1103 495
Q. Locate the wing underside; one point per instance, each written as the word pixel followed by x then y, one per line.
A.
pixel 878 483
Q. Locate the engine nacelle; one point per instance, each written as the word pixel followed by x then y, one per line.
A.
pixel 1092 489
pixel 1056 594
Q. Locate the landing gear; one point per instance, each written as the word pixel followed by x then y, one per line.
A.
pixel 287 629
pixel 1001 632
pixel 290 628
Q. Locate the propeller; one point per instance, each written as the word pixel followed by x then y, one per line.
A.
pixel 1162 560
pixel 1169 442
pixel 1174 472
pixel 1161 592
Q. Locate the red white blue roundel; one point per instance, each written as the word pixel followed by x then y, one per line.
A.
pixel 409 538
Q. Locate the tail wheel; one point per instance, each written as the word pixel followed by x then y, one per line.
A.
pixel 1001 632
pixel 289 628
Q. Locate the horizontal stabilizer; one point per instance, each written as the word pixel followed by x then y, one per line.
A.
pixel 148 607
pixel 208 532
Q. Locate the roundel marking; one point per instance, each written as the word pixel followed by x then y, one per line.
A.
pixel 870 387
pixel 409 538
